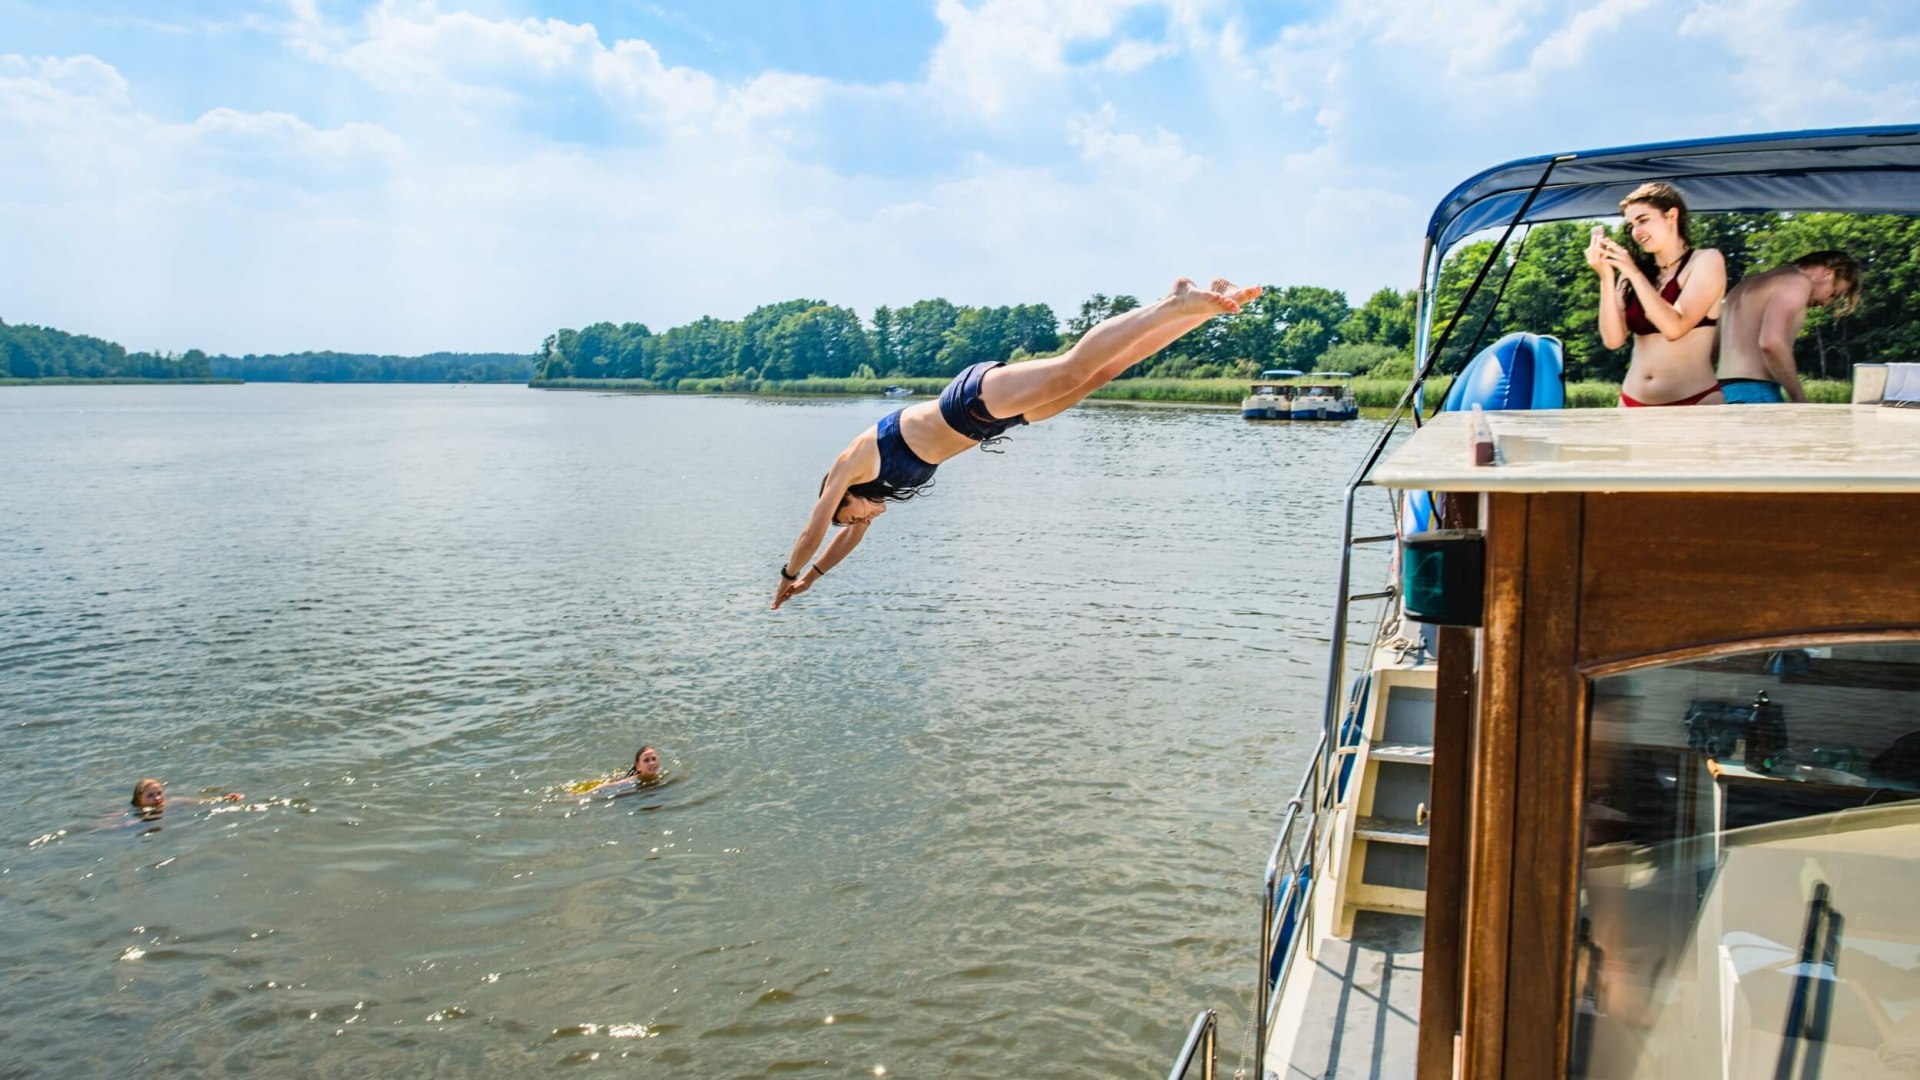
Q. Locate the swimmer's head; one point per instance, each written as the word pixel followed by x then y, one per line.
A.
pixel 646 764
pixel 149 795
pixel 858 509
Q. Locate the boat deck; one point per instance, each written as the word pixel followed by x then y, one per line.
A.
pixel 1352 1009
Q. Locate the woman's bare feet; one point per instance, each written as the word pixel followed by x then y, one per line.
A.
pixel 1188 298
pixel 1234 292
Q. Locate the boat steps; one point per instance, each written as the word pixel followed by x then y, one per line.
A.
pixel 1380 860
pixel 1391 831
pixel 1404 753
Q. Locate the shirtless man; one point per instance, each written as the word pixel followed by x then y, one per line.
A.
pixel 1762 316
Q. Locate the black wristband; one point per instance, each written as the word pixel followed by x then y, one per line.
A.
pixel 818 570
pixel 787 576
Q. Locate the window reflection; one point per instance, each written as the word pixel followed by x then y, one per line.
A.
pixel 1750 886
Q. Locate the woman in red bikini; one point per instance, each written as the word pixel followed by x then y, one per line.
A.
pixel 1668 298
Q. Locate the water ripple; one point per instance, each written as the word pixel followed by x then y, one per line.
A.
pixel 1004 781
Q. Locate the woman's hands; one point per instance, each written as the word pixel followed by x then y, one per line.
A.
pixel 1596 253
pixel 790 589
pixel 1607 257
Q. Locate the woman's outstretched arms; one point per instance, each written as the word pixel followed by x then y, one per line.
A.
pixel 819 520
pixel 838 549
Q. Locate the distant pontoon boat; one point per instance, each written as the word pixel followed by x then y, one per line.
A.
pixel 1271 397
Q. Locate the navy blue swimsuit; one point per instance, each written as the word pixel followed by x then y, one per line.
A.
pixel 902 473
pixel 901 470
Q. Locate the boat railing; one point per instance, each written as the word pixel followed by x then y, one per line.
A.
pixel 1199 1047
pixel 1296 864
pixel 1322 784
pixel 1286 908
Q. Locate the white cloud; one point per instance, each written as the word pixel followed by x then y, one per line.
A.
pixel 276 135
pixel 1052 150
pixel 1794 67
pixel 71 77
pixel 1161 156
pixel 1002 51
pixel 1574 41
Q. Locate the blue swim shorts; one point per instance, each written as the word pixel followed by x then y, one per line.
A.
pixel 961 408
pixel 1752 392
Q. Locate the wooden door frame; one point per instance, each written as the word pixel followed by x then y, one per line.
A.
pixel 1586 584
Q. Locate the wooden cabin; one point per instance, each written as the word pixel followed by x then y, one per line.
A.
pixel 1675 801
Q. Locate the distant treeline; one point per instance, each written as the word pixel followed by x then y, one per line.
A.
pixel 1548 289
pixel 363 367
pixel 1545 288
pixel 37 352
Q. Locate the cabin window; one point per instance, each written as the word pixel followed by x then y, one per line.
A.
pixel 1750 881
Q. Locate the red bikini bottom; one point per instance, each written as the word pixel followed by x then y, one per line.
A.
pixel 1628 403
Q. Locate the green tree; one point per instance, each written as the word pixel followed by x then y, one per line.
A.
pixel 1097 309
pixel 886 353
pixel 920 333
pixel 1385 319
pixel 977 335
pixel 1034 328
pixel 822 340
pixel 756 341
pixel 704 348
pixel 1306 319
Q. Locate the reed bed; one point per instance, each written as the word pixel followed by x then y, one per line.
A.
pixel 1372 394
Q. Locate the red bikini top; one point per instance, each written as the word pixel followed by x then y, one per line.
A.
pixel 1637 320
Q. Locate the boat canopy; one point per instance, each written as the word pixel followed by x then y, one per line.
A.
pixel 1281 373
pixel 1851 170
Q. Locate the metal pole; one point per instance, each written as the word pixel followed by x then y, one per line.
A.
pixel 1265 987
pixel 1336 663
pixel 1213 1035
pixel 1201 1034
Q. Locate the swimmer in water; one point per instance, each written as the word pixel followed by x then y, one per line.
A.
pixel 645 770
pixel 150 798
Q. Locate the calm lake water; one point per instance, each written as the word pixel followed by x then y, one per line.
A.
pixel 990 801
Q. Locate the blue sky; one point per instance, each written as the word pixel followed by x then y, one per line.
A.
pixel 406 175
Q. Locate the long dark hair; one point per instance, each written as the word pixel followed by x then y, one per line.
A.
pixel 1663 197
pixel 876 490
pixel 634 769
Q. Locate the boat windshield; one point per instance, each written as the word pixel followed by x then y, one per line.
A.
pixel 1750 866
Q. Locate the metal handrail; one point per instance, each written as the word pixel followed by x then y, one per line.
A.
pixel 1202 1035
pixel 1319 792
pixel 1283 865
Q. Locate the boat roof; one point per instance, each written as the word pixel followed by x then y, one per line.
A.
pixel 1758 448
pixel 1850 170
pixel 1281 373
